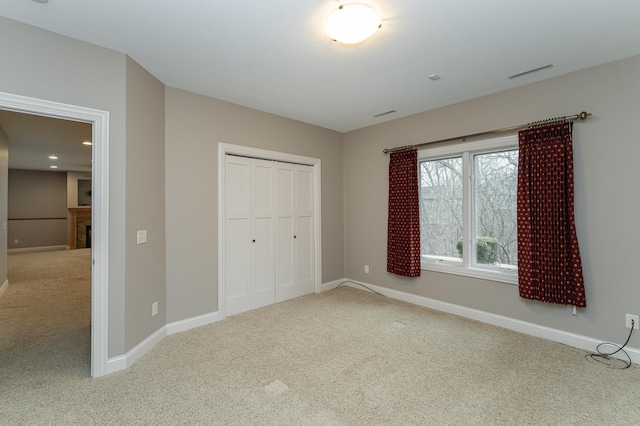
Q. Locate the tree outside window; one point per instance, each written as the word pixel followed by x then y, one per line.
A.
pixel 489 180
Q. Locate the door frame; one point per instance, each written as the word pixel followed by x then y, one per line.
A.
pixel 223 150
pixel 99 121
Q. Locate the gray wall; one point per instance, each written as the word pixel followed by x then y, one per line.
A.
pixel 195 126
pixel 4 189
pixel 109 81
pixel 45 65
pixel 145 205
pixel 48 66
pixel 606 150
pixel 35 194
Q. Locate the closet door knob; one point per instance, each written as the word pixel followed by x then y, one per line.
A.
pixel 254 241
pixel 294 236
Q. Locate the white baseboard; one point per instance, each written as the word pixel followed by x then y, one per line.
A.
pixel 570 339
pixel 122 362
pixel 125 361
pixel 547 333
pixel 330 285
pixel 188 324
pixel 4 287
pixel 43 248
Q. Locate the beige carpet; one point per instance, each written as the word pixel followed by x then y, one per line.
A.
pixel 45 314
pixel 344 357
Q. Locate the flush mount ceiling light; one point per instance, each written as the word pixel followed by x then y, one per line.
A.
pixel 352 23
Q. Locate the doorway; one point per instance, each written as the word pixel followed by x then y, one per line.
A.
pixel 99 121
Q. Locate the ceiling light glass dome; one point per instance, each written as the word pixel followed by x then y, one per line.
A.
pixel 352 23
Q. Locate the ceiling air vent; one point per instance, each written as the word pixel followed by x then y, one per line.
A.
pixel 511 77
pixel 385 113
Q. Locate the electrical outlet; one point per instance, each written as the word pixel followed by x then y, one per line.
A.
pixel 366 269
pixel 154 309
pixel 15 241
pixel 636 324
pixel 141 237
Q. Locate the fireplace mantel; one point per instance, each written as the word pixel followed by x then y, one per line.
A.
pixel 76 214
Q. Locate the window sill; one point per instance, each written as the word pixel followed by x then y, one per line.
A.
pixel 471 272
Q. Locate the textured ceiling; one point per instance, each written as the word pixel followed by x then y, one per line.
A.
pixel 274 55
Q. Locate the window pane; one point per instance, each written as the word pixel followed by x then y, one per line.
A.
pixel 496 180
pixel 441 208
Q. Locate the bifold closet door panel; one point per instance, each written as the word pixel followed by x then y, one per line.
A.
pixel 285 231
pixel 263 242
pixel 238 235
pixel 304 217
pixel 295 220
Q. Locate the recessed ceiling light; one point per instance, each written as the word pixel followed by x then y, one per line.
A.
pixel 352 23
pixel 53 157
pixel 41 1
pixel 434 77
pixel 53 167
pixel 88 143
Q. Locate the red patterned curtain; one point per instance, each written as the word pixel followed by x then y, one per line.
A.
pixel 403 232
pixel 549 266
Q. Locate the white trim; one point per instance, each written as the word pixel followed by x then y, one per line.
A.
pixel 466 151
pixel 99 121
pixel 331 285
pixel 116 364
pixel 189 323
pixel 125 361
pixel 484 274
pixel 4 287
pixel 559 336
pixel 224 149
pixel 42 248
pixel 487 143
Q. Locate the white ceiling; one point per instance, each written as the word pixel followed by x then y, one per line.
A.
pixel 274 55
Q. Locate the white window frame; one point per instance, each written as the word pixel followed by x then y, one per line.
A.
pixel 467 150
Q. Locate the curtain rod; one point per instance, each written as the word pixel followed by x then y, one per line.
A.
pixel 582 116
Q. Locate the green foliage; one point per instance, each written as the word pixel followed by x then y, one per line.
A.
pixel 486 249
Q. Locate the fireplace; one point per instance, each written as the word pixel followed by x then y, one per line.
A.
pixel 80 227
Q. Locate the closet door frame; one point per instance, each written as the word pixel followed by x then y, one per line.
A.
pixel 225 149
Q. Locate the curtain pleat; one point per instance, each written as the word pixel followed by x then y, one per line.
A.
pixel 549 265
pixel 403 232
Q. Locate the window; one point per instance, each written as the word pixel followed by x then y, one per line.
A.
pixel 468 208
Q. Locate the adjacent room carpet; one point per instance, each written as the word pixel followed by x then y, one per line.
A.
pixel 343 357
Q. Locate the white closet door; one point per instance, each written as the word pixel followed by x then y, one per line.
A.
pixel 285 270
pixel 295 221
pixel 238 234
pixel 304 217
pixel 263 241
pixel 269 229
